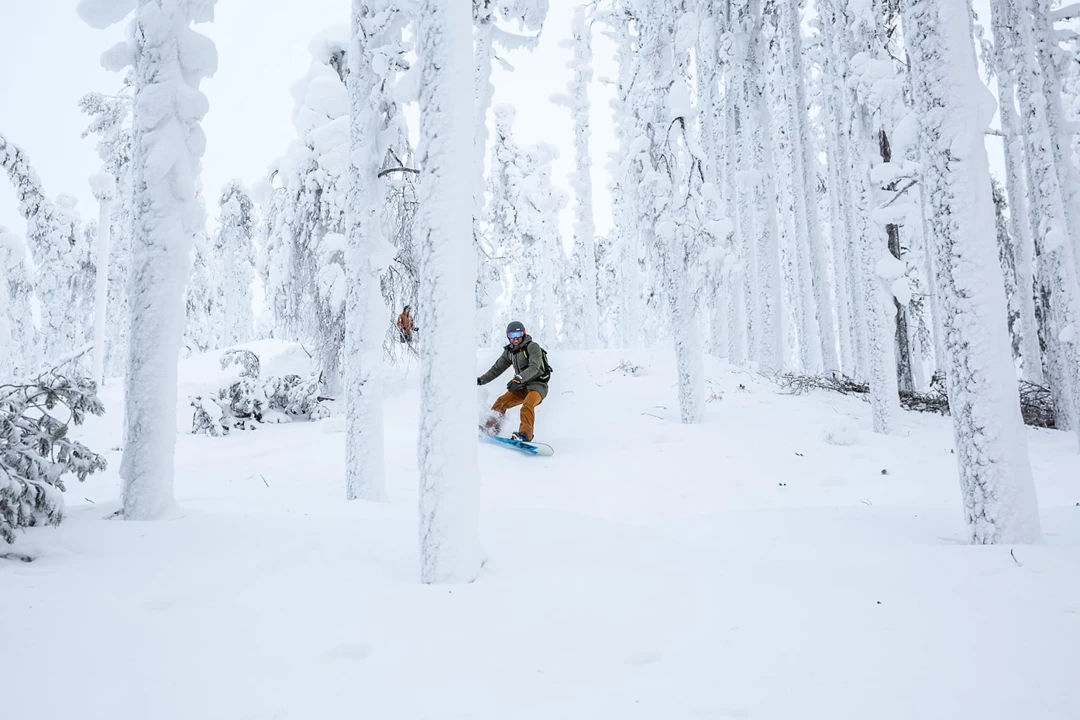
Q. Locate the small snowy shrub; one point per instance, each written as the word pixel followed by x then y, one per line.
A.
pixel 251 399
pixel 36 454
pixel 247 360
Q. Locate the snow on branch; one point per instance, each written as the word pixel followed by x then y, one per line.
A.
pixel 36 454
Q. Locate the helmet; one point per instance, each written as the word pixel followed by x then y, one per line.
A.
pixel 515 330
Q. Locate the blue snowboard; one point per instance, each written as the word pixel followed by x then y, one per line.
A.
pixel 531 448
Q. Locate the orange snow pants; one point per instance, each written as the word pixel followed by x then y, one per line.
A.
pixel 527 399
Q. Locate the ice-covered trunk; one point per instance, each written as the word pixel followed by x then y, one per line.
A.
pixel 101 286
pixel 734 287
pixel 839 223
pixel 806 180
pixel 487 273
pixel 1061 130
pixel 166 148
pixel 365 464
pixel 769 332
pixel 447 457
pixel 878 310
pixel 1056 272
pixel 846 239
pixel 711 115
pixel 954 108
pixel 1016 191
pixel 584 226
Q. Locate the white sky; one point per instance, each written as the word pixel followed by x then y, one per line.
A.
pixel 49 58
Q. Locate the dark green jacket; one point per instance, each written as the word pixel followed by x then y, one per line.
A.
pixel 528 362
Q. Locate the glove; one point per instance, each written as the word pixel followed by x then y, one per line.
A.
pixel 478 381
pixel 515 385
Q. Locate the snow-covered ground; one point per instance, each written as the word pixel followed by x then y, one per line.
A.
pixel 778 561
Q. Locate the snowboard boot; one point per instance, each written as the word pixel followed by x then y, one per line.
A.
pixel 520 436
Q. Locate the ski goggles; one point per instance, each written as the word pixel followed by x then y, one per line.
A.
pixel 515 334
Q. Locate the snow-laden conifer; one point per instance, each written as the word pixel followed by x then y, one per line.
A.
pixel 576 100
pixel 954 108
pixel 169 60
pixel 449 482
pixel 375 124
pixel 234 260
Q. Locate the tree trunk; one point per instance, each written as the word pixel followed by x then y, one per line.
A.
pixel 447 458
pixel 995 475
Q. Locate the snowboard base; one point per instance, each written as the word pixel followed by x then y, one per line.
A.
pixel 529 447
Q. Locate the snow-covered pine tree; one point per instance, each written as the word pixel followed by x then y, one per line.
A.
pixel 874 264
pixel 1056 273
pixel 234 260
pixel 576 99
pixel 20 350
pixel 305 244
pixel 689 207
pixel 52 235
pixel 529 15
pixel 103 186
pixel 540 265
pixel 111 122
pixel 954 108
pixel 202 310
pixel 36 453
pixel 760 196
pixel 506 176
pixel 709 67
pixel 620 269
pixel 449 483
pixel 1002 63
pixel 1007 257
pixel 836 121
pixel 375 56
pixel 167 144
pixel 804 186
pixel 1050 59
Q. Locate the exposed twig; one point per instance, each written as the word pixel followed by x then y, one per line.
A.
pixel 387 171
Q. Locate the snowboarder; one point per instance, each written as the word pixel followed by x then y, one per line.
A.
pixel 529 386
pixel 405 325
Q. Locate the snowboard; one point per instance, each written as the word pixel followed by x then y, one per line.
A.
pixel 531 448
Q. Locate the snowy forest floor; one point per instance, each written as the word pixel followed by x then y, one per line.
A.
pixel 746 567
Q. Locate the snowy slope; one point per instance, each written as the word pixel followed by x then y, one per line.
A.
pixel 742 568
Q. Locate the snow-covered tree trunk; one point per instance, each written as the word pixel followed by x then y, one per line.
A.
pixel 487 275
pixel 449 482
pixel 1049 227
pixel 625 193
pixel 169 61
pixel 680 224
pixel 954 108
pixel 1061 131
pixel 735 206
pixel 365 458
pixel 577 100
pixel 805 182
pixel 104 187
pixel 768 318
pixel 1016 189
